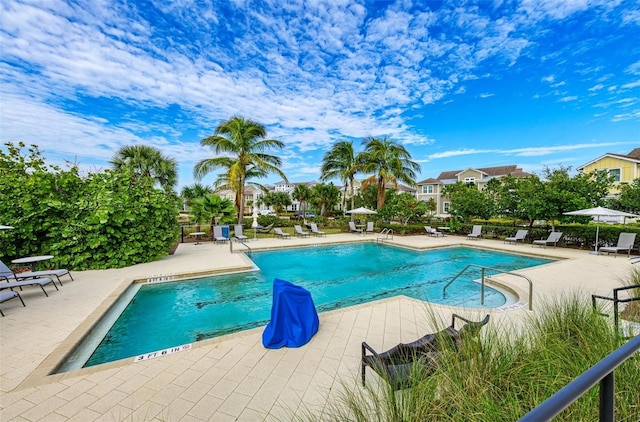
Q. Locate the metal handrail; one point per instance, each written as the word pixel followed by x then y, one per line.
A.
pixel 241 242
pixel 602 372
pixel 444 289
pixel 616 300
pixel 387 231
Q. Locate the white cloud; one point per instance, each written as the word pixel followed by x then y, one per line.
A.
pixel 568 99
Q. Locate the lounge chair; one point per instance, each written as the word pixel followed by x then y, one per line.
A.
pixel 237 232
pixel 625 243
pixel 433 232
pixel 396 364
pixel 520 235
pixel 265 229
pixel 42 281
pixel 353 228
pixel 8 273
pixel 554 238
pixel 217 235
pixel 315 231
pixel 299 232
pixel 369 228
pixel 476 233
pixel 279 233
pixel 4 296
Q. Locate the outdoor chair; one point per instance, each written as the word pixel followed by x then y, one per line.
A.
pixel 553 239
pixel 8 273
pixel 397 364
pixel 217 235
pixel 237 232
pixel 625 243
pixel 433 232
pixel 315 231
pixel 476 233
pixel 369 227
pixel 41 282
pixel 520 235
pixel 265 229
pixel 299 232
pixel 4 296
pixel 277 232
pixel 353 228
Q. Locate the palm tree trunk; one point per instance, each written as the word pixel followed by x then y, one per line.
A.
pixel 352 197
pixel 241 205
pixel 381 192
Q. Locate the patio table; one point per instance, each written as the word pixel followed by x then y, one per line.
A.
pixel 32 260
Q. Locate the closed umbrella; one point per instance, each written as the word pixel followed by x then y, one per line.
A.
pixel 254 224
pixel 3 227
pixel 600 212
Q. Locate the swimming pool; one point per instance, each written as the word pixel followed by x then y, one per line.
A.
pixel 160 316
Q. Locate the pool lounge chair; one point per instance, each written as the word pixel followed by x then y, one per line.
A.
pixel 397 364
pixel 8 273
pixel 277 232
pixel 41 282
pixel 625 243
pixel 433 232
pixel 4 296
pixel 299 232
pixel 520 235
pixel 553 239
pixel 369 228
pixel 353 228
pixel 237 233
pixel 315 231
pixel 217 235
pixel 476 233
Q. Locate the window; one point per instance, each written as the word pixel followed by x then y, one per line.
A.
pixel 616 174
pixel 470 180
pixel 427 189
pixel 447 207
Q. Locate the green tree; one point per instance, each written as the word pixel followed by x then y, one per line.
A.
pixel 389 162
pixel 302 194
pixel 629 199
pixel 403 206
pixel 149 162
pixel 340 162
pixel 246 156
pixel 192 192
pixel 467 201
pixel 367 197
pixel 431 205
pixel 213 209
pixel 278 200
pixel 325 196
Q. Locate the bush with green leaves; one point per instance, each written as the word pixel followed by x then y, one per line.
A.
pixel 109 219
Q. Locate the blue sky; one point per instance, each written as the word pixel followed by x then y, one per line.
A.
pixel 461 84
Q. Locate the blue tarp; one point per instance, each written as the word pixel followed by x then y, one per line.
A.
pixel 294 319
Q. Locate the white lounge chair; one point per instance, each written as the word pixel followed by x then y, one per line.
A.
pixel 237 232
pixel 4 296
pixel 277 231
pixel 315 231
pixel 8 273
pixel 217 235
pixel 433 232
pixel 299 232
pixel 476 233
pixel 353 228
pixel 369 227
pixel 41 282
pixel 625 243
pixel 554 238
pixel 520 235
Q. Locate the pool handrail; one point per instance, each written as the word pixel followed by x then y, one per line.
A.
pixel 444 289
pixel 241 242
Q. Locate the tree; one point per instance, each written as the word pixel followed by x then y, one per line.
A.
pixel 278 200
pixel 244 142
pixel 149 162
pixel 325 196
pixel 467 201
pixel 302 193
pixel 192 192
pixel 390 163
pixel 341 162
pixel 213 209
pixel 629 199
pixel 403 206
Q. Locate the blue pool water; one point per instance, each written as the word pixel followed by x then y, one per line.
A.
pixel 169 314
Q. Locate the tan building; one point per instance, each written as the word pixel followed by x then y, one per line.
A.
pixel 624 168
pixel 432 188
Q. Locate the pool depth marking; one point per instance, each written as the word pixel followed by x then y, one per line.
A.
pixel 165 352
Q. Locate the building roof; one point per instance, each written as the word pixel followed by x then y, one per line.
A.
pixel 513 170
pixel 429 181
pixel 633 156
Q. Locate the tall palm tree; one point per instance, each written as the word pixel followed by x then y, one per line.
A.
pixel 242 140
pixel 341 162
pixel 302 193
pixel 389 162
pixel 192 192
pixel 147 161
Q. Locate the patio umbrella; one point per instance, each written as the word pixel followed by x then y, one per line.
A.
pixel 254 224
pixel 600 212
pixel 361 210
pixel 3 227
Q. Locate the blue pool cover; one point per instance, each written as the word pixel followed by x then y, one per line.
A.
pixel 294 319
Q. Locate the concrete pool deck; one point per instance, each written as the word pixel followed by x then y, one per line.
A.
pixel 234 377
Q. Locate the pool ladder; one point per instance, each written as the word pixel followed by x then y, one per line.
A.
pixel 242 243
pixel 385 234
pixel 483 268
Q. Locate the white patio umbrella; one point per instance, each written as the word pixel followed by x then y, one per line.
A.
pixel 254 224
pixel 600 212
pixel 361 210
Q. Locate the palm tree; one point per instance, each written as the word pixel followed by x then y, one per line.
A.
pixel 389 162
pixel 302 193
pixel 341 162
pixel 192 192
pixel 147 161
pixel 243 140
pixel 213 209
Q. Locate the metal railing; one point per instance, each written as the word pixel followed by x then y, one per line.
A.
pixel 602 372
pixel 231 242
pixel 384 234
pixel 444 289
pixel 616 300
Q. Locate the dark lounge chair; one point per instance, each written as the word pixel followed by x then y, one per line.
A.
pixel 396 364
pixel 4 296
